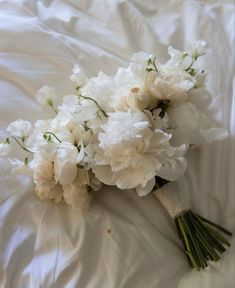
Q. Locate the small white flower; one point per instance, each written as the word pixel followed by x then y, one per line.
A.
pixel 198 48
pixel 65 163
pixel 141 57
pixel 5 149
pixel 191 126
pixel 79 75
pixel 100 88
pixel 178 59
pixel 46 96
pixel 70 104
pixel 20 128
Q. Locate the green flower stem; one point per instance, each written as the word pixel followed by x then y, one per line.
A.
pixel 189 227
pixel 96 103
pixel 210 250
pixel 215 225
pixel 194 59
pixel 180 236
pixel 205 233
pixel 213 239
pixel 201 238
pixel 51 133
pixel 21 145
pixel 188 249
pixel 218 235
pixel 154 64
pixel 50 103
pixel 210 243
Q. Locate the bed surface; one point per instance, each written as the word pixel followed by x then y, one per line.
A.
pixel 124 241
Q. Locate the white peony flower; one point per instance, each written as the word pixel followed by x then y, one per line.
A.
pixel 46 96
pixel 79 75
pixel 169 84
pixel 65 163
pixel 191 126
pixel 20 128
pixel 5 149
pixel 131 154
pixel 156 121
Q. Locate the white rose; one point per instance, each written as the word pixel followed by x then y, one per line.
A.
pixel 169 84
pixel 20 128
pixel 65 163
pixel 131 154
pixel 79 75
pixel 134 98
pixel 46 95
pixel 130 92
pixel 5 149
pixel 138 99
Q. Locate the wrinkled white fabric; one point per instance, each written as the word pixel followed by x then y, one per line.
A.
pixel 124 241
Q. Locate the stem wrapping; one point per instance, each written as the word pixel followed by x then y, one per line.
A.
pixel 202 239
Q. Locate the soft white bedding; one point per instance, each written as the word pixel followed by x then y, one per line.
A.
pixel 124 241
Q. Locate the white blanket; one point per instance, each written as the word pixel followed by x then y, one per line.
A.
pixel 124 241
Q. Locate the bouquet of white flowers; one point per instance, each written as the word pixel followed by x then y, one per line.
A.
pixel 132 130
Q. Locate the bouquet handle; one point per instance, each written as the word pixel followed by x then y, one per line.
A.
pixel 203 239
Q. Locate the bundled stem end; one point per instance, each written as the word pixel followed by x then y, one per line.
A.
pixel 203 240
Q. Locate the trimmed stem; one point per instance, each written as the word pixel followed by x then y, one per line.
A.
pixel 203 240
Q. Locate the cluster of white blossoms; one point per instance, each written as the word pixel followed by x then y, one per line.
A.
pixel 124 130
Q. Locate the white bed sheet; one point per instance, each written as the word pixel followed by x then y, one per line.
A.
pixel 124 241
